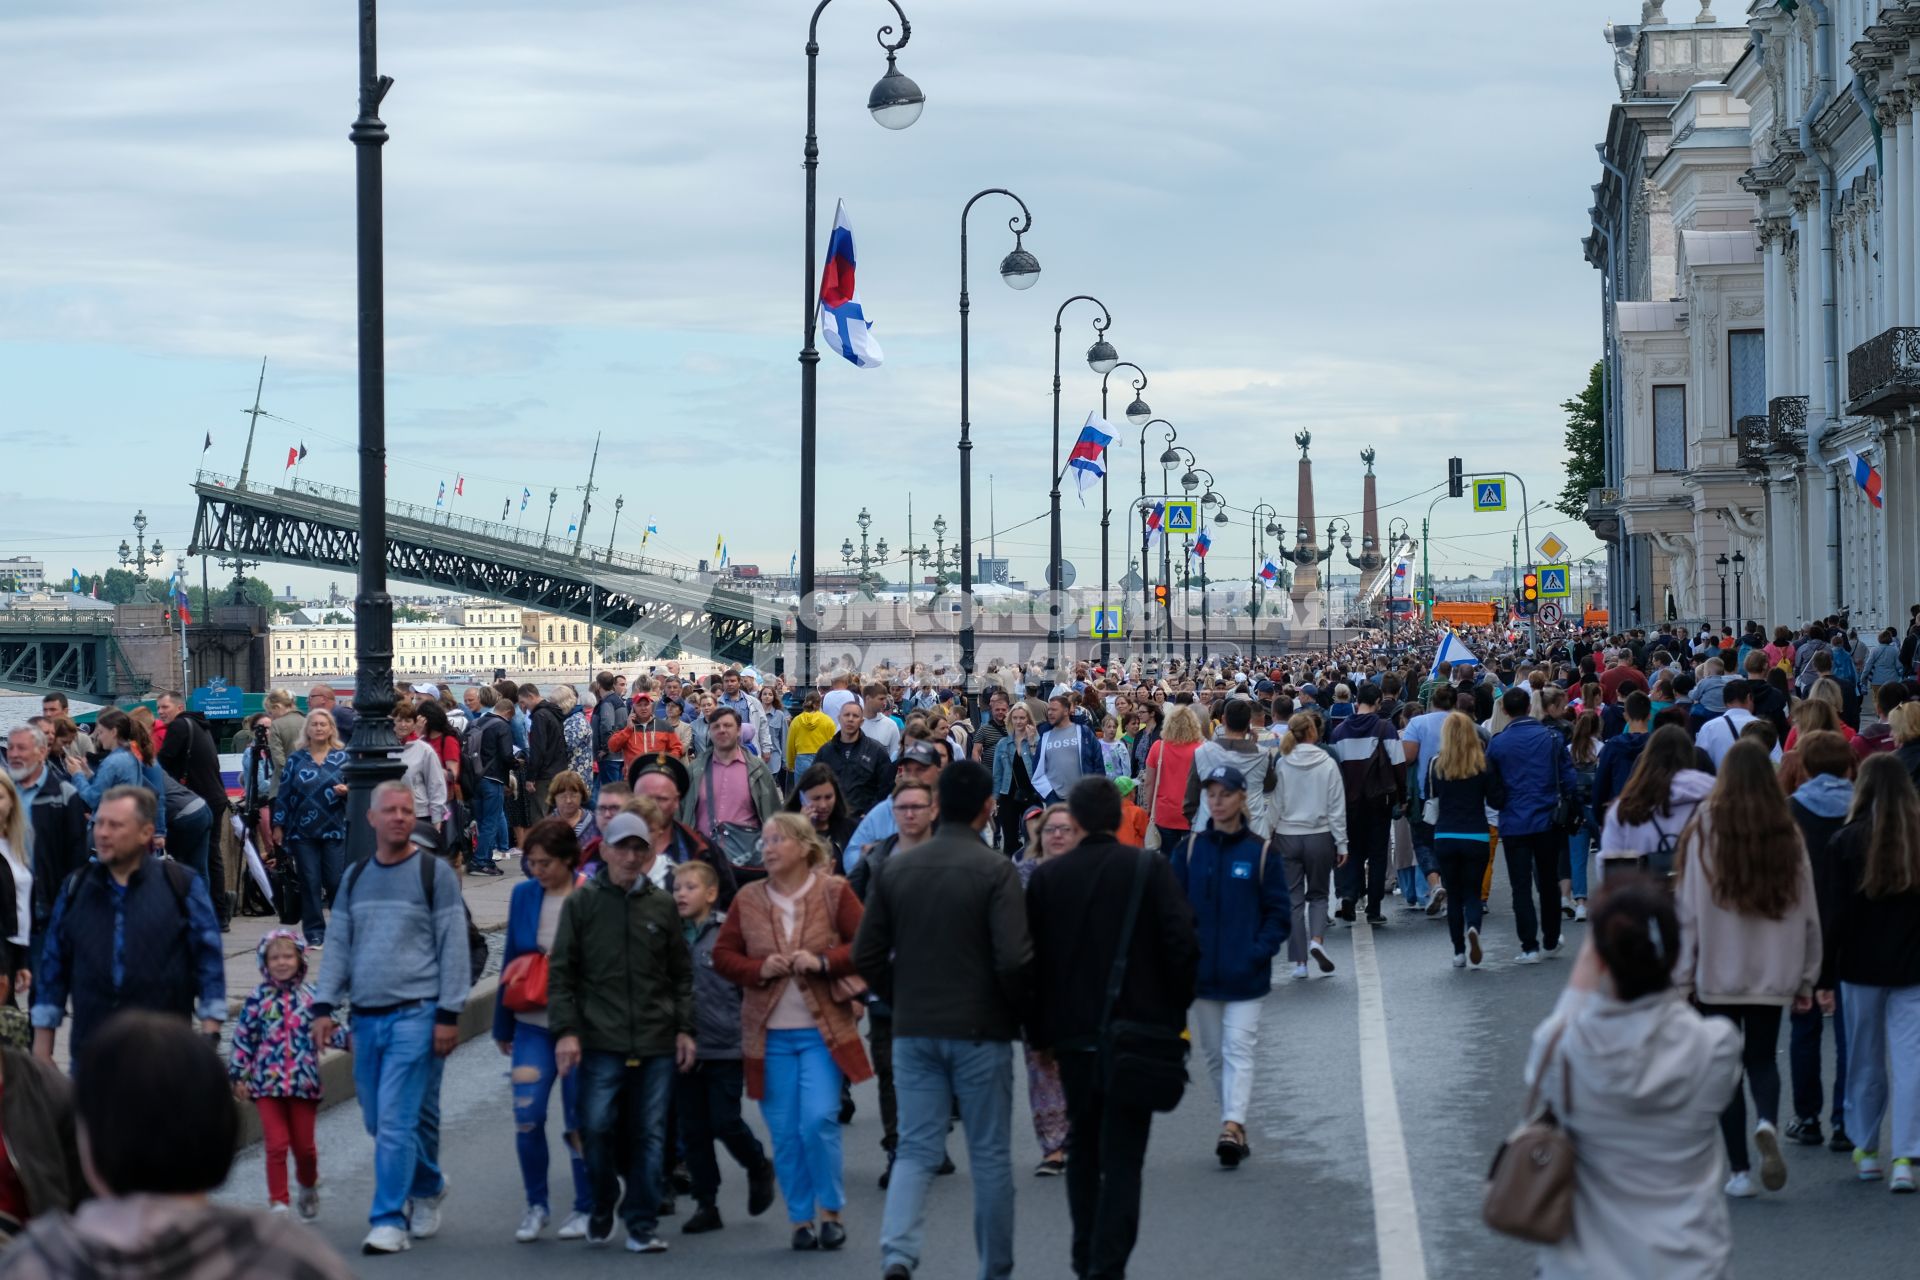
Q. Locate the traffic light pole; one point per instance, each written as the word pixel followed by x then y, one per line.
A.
pixel 1426 566
pixel 1526 524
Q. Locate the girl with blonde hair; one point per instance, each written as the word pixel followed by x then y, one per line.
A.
pixel 1462 785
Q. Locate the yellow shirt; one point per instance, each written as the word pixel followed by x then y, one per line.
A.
pixel 810 731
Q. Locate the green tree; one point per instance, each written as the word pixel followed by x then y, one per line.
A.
pixel 256 592
pixel 116 586
pixel 1585 445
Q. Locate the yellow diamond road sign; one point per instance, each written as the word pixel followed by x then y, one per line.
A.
pixel 1551 548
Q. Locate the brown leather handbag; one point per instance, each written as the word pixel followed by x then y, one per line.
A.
pixel 1530 1186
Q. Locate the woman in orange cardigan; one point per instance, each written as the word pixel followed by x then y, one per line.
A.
pixel 788 943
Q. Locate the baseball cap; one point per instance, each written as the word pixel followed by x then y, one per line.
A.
pixel 1227 776
pixel 922 753
pixel 426 836
pixel 627 826
pixel 427 689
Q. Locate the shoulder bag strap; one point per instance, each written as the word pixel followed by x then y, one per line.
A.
pixel 706 785
pixel 1117 978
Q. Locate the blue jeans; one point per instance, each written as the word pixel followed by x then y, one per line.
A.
pixel 631 1094
pixel 929 1075
pixel 1803 1060
pixel 533 1077
pixel 320 863
pixel 395 1072
pixel 187 839
pixel 493 835
pixel 801 1105
pixel 1579 852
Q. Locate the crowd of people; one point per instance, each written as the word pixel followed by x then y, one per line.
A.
pixel 734 890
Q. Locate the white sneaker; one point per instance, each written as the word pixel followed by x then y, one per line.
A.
pixel 1473 947
pixel 1320 956
pixel 646 1244
pixel 1579 911
pixel 1902 1179
pixel 1867 1166
pixel 307 1200
pixel 1773 1166
pixel 574 1228
pixel 1459 959
pixel 1527 957
pixel 1299 972
pixel 1741 1187
pixel 1552 948
pixel 532 1225
pixel 386 1240
pixel 277 1207
pixel 424 1214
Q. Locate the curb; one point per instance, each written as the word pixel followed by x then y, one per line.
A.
pixel 336 1066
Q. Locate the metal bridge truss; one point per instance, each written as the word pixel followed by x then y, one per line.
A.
pixel 75 654
pixel 312 526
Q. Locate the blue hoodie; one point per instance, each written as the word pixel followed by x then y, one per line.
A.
pixel 1242 914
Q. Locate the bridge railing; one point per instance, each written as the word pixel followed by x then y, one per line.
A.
pixel 93 622
pixel 441 518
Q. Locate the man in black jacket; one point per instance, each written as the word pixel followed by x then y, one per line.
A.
pixel 547 756
pixel 860 765
pixel 490 742
pixel 57 818
pixel 1077 904
pixel 944 942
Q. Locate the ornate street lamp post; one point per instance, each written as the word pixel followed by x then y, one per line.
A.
pixel 1257 546
pixel 1138 414
pixel 1021 270
pixel 139 556
pixel 896 102
pixel 1219 517
pixel 1739 576
pixel 1346 544
pixel 1167 458
pixel 1101 358
pixel 1397 531
pixel 1721 563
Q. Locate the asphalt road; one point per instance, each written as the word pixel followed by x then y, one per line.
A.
pixel 1447 1075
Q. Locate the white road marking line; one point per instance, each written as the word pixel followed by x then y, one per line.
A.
pixel 1396 1218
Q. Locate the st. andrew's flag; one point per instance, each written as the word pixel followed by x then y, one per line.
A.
pixel 1452 649
pixel 1088 458
pixel 842 323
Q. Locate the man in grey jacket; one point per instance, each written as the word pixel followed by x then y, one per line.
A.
pixel 945 943
pixel 1237 745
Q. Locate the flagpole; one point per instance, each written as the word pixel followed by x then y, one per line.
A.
pixel 373 754
pixel 1101 358
pixel 895 103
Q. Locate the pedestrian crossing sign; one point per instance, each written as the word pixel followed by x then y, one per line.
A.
pixel 1489 495
pixel 1105 624
pixel 1553 582
pixel 1182 517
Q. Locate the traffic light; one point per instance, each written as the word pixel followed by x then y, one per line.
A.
pixel 1529 590
pixel 1161 596
pixel 1456 482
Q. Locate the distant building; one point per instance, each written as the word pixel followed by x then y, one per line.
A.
pixel 23 573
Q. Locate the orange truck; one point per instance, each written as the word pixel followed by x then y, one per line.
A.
pixel 1464 613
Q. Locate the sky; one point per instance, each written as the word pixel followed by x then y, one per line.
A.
pixel 1358 220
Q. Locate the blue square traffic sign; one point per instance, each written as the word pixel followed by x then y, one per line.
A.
pixel 1182 517
pixel 1553 582
pixel 1489 495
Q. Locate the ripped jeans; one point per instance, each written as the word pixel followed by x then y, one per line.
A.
pixel 533 1078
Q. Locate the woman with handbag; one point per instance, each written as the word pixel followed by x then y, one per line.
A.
pixel 552 856
pixel 788 943
pixel 1462 785
pixel 1242 915
pixel 1635 1080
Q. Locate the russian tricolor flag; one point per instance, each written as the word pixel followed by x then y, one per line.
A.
pixel 1156 524
pixel 1203 544
pixel 1088 458
pixel 1270 572
pixel 1867 477
pixel 842 323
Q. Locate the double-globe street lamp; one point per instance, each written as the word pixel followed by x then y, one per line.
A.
pixel 1167 458
pixel 1346 544
pixel 1101 358
pixel 1219 517
pixel 866 559
pixel 1021 270
pixel 1397 533
pixel 1176 454
pixel 895 102
pixel 1138 414
pixel 1257 534
pixel 1189 483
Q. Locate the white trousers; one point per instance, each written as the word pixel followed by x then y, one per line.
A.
pixel 1227 1032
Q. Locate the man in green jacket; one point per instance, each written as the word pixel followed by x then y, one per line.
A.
pixel 742 791
pixel 620 1008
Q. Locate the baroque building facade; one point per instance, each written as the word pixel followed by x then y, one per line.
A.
pixel 1756 230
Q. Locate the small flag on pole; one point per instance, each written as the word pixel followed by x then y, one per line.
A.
pixel 441 499
pixel 1867 477
pixel 76 582
pixel 1156 524
pixel 459 486
pixel 1452 649
pixel 293 456
pixel 793 564
pixel 1203 544
pixel 209 444
pixel 506 506
pixel 1088 458
pixel 723 555
pixel 719 545
pixel 525 495
pixel 842 323
pixel 180 601
pixel 1270 572
pixel 571 528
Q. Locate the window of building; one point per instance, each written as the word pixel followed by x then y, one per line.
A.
pixel 1746 374
pixel 1669 428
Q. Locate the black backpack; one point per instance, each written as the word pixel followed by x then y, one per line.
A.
pixel 476 941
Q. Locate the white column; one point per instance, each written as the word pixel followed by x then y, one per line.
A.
pixel 1892 200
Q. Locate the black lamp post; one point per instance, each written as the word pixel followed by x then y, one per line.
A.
pixel 1101 358
pixel 1739 576
pixel 373 754
pixel 239 567
pixel 1189 483
pixel 614 533
pixel 1137 415
pixel 1219 517
pixel 1397 531
pixel 1346 544
pixel 138 556
pixel 1021 270
pixel 1167 458
pixel 896 102
pixel 1721 563
pixel 1256 544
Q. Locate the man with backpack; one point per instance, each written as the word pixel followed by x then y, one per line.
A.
pixel 490 743
pixel 1373 766
pixel 1537 768
pixel 1237 745
pixel 129 931
pixel 398 947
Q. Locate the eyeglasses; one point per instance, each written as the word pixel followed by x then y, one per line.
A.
pixel 1056 829
pixel 910 808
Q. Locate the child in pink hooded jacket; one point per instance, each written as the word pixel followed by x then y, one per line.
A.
pixel 276 1066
